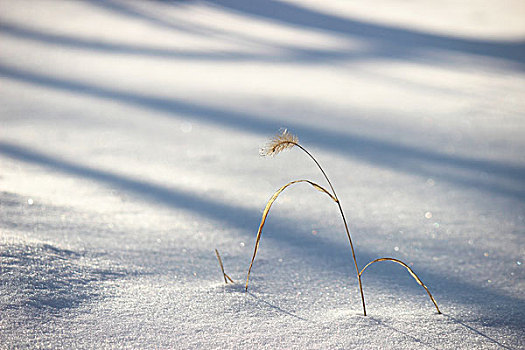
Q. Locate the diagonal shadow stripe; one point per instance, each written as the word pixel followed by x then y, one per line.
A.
pixel 118 48
pixel 393 41
pixel 506 179
pixel 385 41
pixel 240 217
pixel 287 53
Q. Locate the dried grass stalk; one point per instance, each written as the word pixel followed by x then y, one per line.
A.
pixel 226 277
pixel 267 210
pixel 282 141
pixel 285 140
pixel 412 273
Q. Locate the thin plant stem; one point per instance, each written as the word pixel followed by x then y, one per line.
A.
pixel 282 141
pixel 412 273
pixel 226 277
pixel 344 221
pixel 267 211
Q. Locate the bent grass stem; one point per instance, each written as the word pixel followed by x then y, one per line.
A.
pixel 226 277
pixel 282 141
pixel 345 223
pixel 410 271
pixel 267 211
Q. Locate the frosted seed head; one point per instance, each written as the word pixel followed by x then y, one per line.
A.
pixel 281 141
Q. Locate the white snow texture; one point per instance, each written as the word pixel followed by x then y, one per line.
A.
pixel 129 139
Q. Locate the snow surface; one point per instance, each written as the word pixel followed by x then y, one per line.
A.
pixel 129 145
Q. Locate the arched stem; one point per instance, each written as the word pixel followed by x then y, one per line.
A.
pixel 412 273
pixel 267 211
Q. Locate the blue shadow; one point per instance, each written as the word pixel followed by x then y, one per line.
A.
pixel 503 179
pixel 238 217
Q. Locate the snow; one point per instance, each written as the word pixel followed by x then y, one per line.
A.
pixel 129 143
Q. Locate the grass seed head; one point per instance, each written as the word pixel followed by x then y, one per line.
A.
pixel 280 142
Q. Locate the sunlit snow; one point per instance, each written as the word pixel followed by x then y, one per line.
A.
pixel 129 151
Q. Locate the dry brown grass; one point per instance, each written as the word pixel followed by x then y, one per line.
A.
pixel 267 210
pixel 226 277
pixel 283 141
pixel 412 273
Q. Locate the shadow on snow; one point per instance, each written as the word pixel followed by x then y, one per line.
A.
pixel 240 218
pixel 382 41
pixel 503 179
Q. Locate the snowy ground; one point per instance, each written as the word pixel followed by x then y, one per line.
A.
pixel 129 142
